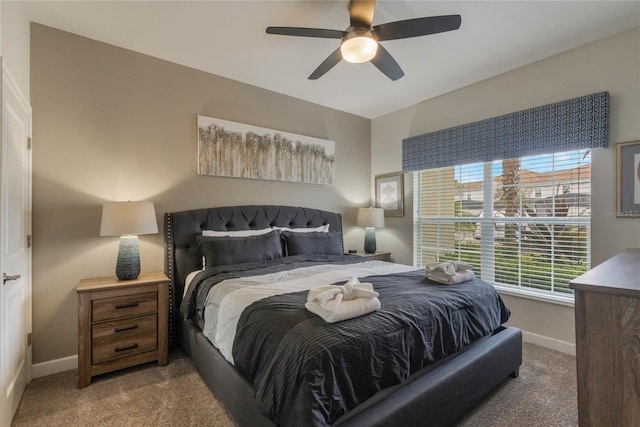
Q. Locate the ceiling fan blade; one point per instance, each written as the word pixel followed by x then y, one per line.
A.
pixel 327 64
pixel 306 32
pixel 361 13
pixel 417 27
pixel 385 63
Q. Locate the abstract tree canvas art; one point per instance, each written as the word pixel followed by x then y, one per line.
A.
pixel 233 149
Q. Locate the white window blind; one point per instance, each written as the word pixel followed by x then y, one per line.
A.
pixel 521 223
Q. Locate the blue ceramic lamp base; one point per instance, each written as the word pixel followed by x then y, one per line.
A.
pixel 370 240
pixel 128 265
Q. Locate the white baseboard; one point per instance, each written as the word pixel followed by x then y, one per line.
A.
pixel 551 343
pixel 54 366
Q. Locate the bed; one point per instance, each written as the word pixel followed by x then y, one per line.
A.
pixel 436 381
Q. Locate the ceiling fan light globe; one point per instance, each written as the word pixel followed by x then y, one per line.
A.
pixel 359 49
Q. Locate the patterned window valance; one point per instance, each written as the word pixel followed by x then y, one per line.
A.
pixel 564 126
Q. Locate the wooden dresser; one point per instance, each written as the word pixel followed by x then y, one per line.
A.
pixel 121 324
pixel 607 308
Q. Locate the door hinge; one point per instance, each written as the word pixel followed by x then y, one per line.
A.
pixel 28 240
pixel 29 338
pixel 29 143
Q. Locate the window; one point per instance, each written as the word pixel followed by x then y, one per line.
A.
pixel 520 228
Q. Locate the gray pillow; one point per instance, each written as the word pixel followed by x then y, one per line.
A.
pixel 312 243
pixel 239 250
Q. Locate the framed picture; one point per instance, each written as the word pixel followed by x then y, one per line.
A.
pixel 390 193
pixel 628 179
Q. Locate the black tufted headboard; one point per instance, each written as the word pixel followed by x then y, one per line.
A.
pixel 181 229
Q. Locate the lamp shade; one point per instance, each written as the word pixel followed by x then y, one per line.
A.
pixel 370 217
pixel 123 218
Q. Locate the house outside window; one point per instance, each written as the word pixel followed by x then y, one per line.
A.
pixel 538 192
pixel 530 244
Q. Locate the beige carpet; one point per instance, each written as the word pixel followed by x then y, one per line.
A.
pixel 174 395
pixel 544 395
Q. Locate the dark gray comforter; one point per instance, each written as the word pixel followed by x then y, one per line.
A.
pixel 306 372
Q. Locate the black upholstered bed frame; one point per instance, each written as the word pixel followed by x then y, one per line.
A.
pixel 437 395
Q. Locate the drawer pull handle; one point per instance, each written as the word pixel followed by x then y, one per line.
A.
pixel 126 328
pixel 129 347
pixel 127 305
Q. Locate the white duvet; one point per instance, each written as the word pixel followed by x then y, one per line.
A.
pixel 228 299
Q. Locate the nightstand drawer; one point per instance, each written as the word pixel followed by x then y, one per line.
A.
pixel 123 347
pixel 130 305
pixel 127 328
pixel 378 256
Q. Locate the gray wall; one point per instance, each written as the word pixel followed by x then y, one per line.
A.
pixel 111 124
pixel 613 65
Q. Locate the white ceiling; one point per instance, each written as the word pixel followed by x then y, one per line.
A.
pixel 228 38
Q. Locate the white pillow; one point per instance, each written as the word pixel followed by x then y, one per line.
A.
pixel 321 229
pixel 236 233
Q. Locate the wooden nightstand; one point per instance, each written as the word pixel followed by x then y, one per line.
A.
pixel 121 324
pixel 378 256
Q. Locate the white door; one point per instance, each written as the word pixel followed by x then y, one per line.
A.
pixel 15 252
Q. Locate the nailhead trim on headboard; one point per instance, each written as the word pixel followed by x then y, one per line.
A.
pixel 168 269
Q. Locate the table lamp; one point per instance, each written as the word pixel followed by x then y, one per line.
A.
pixel 370 218
pixel 128 220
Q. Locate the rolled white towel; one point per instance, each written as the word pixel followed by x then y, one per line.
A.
pixel 330 297
pixel 352 281
pixel 459 277
pixel 450 268
pixel 461 266
pixel 313 293
pixel 336 303
pixel 348 309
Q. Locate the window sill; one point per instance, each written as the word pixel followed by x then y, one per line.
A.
pixel 567 301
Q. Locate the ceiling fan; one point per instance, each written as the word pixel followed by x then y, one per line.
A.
pixel 360 42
